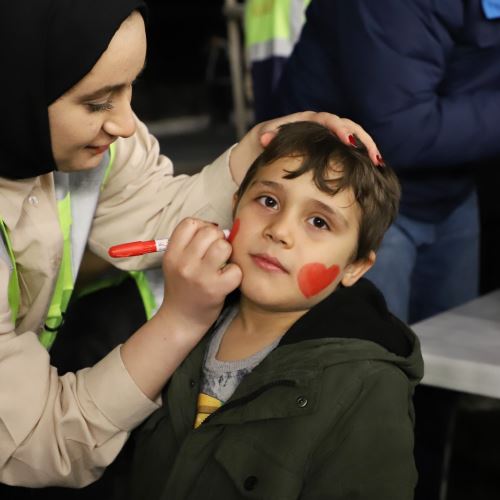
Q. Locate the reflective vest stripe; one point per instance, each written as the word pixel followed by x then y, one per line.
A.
pixel 145 291
pixel 8 255
pixel 112 156
pixel 71 256
pixel 77 193
pixel 65 280
pixel 271 48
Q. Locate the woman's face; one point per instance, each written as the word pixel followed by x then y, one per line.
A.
pixel 96 111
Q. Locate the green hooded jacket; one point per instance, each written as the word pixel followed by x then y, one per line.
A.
pixel 327 415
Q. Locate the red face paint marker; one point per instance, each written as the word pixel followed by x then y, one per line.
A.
pixel 141 247
pixel 315 277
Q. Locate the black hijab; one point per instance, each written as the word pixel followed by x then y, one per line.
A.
pixel 46 47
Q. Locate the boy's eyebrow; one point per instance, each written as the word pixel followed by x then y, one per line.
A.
pixel 331 211
pixel 275 185
pixel 319 204
pixel 108 89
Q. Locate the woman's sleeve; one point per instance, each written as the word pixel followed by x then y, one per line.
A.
pixel 60 430
pixel 142 199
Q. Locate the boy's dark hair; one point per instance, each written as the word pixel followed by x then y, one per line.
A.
pixel 376 189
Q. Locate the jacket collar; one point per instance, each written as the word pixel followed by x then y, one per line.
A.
pixel 356 312
pixel 328 330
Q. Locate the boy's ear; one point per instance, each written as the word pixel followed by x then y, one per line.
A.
pixel 357 269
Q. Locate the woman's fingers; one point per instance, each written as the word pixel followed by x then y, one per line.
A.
pixel 351 128
pixel 343 128
pixel 252 144
pixel 197 279
pixel 202 241
pixel 231 277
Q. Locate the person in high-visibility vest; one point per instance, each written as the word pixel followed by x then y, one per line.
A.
pixel 271 28
pixel 78 168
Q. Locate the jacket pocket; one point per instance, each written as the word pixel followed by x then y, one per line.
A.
pixel 255 473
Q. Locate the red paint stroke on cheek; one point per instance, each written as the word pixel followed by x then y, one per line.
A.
pixel 316 277
pixel 234 231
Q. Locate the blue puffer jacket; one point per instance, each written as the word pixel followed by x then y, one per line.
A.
pixel 422 76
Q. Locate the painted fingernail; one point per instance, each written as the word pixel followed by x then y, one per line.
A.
pixel 352 140
pixel 381 162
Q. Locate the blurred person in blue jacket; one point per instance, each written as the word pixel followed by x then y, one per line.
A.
pixel 423 77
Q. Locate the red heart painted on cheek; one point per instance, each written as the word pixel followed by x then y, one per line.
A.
pixel 316 277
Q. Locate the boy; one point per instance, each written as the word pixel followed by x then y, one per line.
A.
pixel 303 387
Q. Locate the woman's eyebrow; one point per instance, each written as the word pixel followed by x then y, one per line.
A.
pixel 109 89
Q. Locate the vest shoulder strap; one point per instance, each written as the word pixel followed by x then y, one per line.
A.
pixel 6 254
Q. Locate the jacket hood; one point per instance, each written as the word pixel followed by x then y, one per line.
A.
pixel 351 324
pixel 351 332
pixel 353 314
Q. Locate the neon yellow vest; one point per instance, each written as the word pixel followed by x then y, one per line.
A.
pixel 150 283
pixel 272 27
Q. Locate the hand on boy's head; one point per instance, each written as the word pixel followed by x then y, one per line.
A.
pixel 346 130
pixel 252 144
pixel 197 278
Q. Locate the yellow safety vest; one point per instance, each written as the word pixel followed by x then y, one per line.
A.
pixel 272 27
pixel 76 193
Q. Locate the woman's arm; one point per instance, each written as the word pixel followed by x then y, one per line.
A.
pixel 65 430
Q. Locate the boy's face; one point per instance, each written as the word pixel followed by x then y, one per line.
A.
pixel 293 242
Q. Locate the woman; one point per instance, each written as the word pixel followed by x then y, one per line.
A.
pixel 78 167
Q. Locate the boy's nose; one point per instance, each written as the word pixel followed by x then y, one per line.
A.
pixel 280 232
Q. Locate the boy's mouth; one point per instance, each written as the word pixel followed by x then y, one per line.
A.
pixel 268 263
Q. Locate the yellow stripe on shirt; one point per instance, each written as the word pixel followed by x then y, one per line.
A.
pixel 205 406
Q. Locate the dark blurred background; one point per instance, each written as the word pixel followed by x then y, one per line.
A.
pixel 184 96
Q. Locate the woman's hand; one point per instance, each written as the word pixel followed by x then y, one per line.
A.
pixel 259 137
pixel 197 278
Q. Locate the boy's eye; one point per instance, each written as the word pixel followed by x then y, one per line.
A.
pixel 95 107
pixel 267 201
pixel 318 223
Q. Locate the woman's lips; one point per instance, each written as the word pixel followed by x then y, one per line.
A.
pixel 268 263
pixel 98 149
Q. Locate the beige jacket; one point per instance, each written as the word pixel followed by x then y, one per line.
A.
pixel 66 430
